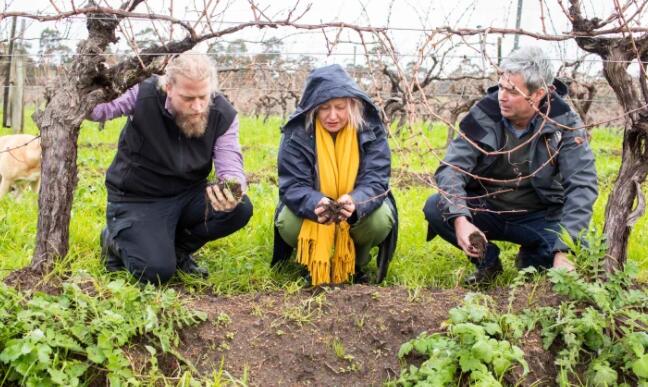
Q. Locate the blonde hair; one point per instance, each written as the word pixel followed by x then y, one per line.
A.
pixel 193 65
pixel 355 109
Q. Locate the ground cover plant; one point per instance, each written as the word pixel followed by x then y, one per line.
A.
pixel 597 331
pixel 271 310
pixel 76 336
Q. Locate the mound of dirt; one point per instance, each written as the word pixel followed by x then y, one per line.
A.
pixel 346 335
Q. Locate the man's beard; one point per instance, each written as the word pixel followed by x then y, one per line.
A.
pixel 193 126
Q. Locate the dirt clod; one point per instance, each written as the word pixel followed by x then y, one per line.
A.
pixel 478 243
pixel 233 186
pixel 332 211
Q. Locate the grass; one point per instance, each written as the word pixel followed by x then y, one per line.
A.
pixel 240 263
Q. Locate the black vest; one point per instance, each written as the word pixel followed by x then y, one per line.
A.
pixel 154 158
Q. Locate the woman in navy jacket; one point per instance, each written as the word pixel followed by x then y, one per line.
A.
pixel 332 100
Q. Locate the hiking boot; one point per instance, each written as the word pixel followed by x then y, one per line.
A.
pixel 484 275
pixel 188 265
pixel 360 277
pixel 109 252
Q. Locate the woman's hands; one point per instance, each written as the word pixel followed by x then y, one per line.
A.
pixel 329 211
pixel 347 207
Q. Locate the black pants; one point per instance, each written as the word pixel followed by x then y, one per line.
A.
pixel 534 233
pixel 150 235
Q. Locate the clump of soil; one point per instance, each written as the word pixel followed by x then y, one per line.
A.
pixel 233 186
pixel 333 211
pixel 31 280
pixel 478 242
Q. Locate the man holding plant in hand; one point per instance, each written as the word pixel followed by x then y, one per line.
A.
pixel 160 207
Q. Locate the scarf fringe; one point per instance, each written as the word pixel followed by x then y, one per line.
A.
pixel 335 270
pixel 344 256
pixel 318 262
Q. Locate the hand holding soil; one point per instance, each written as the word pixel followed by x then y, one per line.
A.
pixel 224 195
pixel 471 240
pixel 333 211
pixel 233 186
pixel 328 210
pixel 347 207
pixel 478 243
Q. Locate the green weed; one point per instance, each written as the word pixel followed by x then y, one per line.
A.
pixel 598 331
pixel 78 335
pixel 602 325
pixel 476 345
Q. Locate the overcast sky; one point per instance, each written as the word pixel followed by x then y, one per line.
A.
pixel 400 15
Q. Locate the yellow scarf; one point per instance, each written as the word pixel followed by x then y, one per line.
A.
pixel 338 163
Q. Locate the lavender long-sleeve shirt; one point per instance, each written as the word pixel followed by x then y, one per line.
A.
pixel 227 156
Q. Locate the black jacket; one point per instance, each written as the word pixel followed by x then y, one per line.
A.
pixel 154 158
pixel 297 161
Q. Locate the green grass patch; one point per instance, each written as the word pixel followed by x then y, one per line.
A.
pixel 240 263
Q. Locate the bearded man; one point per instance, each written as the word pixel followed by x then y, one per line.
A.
pixel 160 207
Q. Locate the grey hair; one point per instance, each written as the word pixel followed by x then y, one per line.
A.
pixel 193 65
pixel 355 108
pixel 534 66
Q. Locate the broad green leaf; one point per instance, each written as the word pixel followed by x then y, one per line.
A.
pixel 95 354
pixel 640 367
pixel 12 352
pixel 501 365
pixel 457 315
pixel 58 377
pixel 405 349
pixel 43 352
pixel 492 328
pixel 468 363
pixel 601 374
pixel 483 350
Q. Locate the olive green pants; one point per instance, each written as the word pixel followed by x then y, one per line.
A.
pixel 366 233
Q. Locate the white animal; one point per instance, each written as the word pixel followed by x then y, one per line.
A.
pixel 20 159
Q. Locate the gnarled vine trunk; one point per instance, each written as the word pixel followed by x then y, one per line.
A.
pixel 77 93
pixel 617 53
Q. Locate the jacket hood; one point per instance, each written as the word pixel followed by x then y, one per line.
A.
pixel 325 83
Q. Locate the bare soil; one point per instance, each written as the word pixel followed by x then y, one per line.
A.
pixel 340 336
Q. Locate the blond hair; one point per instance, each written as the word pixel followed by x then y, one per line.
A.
pixel 355 109
pixel 192 65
